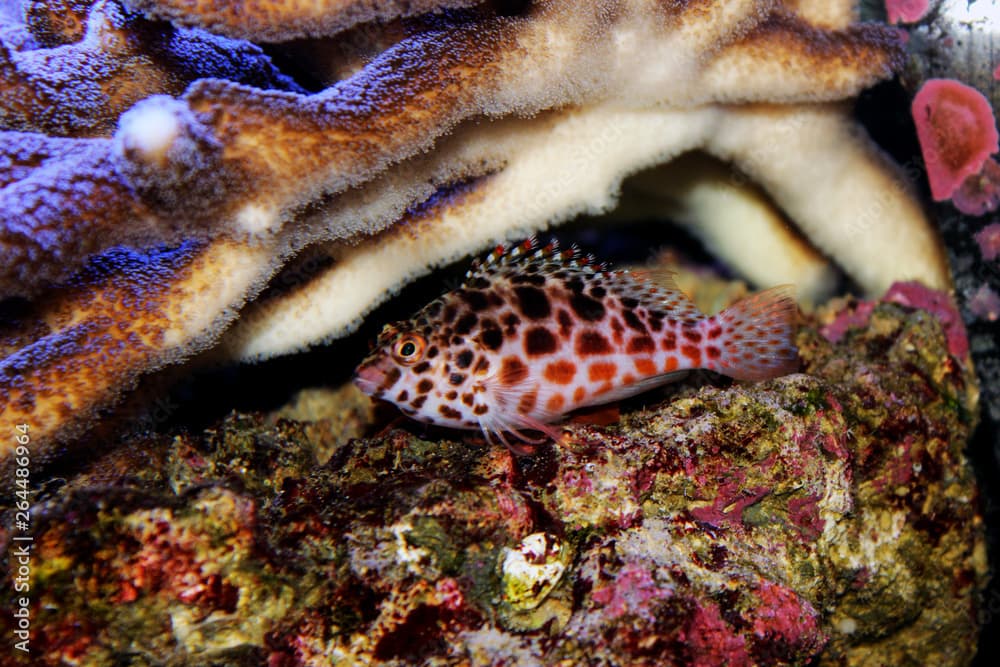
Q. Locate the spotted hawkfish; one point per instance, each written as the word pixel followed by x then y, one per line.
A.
pixel 535 332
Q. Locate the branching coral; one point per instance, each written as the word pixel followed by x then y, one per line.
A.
pixel 462 128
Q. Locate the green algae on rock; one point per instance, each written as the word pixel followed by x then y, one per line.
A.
pixel 825 517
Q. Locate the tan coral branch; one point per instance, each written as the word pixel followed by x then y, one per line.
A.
pixel 129 313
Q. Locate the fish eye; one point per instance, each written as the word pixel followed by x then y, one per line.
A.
pixel 409 349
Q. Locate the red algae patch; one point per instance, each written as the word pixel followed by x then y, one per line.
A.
pixel 957 133
pixel 906 11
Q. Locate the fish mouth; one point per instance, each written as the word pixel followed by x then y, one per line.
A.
pixel 369 379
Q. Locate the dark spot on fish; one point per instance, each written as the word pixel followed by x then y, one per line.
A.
pixel 474 298
pixel 539 340
pixel 565 323
pixel 598 292
pixel 629 302
pixel 392 375
pixel 491 339
pixel 669 341
pixel 419 401
pixel 433 309
pixel 575 285
pixel 480 409
pixel 403 396
pixel 464 359
pixel 691 352
pixel 456 378
pixel 714 332
pixel 449 412
pixel 432 351
pixel 510 322
pixel 424 386
pixel 633 322
pixel 482 365
pixel 587 308
pixel 465 323
pixel 641 344
pixel 530 278
pixel 532 302
pixel 421 367
pixel 478 283
pixel 656 321
pixel 692 335
pixel 713 352
pixel 493 298
pixel 592 342
pixel 467 399
pixel 449 313
pixel 451 395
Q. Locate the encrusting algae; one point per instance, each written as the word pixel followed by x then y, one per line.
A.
pixel 824 517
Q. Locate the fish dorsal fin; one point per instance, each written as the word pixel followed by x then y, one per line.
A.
pixel 656 289
pixel 530 251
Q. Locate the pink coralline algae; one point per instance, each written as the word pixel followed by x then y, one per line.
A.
pixel 985 304
pixel 957 133
pixel 633 592
pixel 906 11
pixel 786 522
pixel 980 193
pixel 988 239
pixel 911 294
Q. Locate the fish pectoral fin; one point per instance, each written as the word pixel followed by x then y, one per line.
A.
pixel 504 416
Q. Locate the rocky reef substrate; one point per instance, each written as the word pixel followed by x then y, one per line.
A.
pixel 827 517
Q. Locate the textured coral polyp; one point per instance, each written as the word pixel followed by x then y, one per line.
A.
pixel 988 239
pixel 957 132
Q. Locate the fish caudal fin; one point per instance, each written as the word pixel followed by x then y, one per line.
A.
pixel 755 337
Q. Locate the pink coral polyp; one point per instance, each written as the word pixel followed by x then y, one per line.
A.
pixel 906 11
pixel 957 133
pixel 988 239
pixel 979 194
